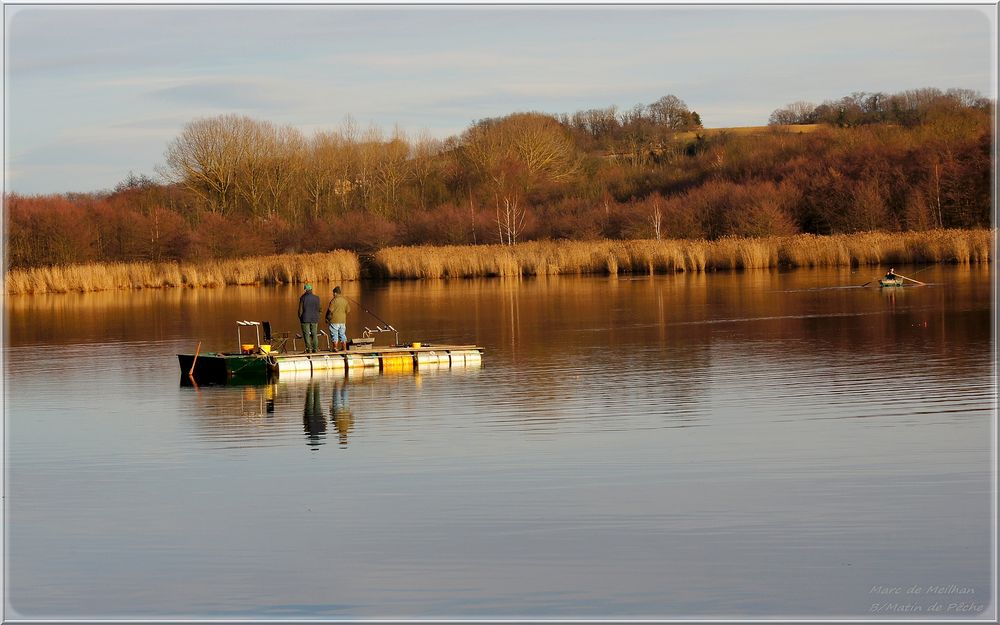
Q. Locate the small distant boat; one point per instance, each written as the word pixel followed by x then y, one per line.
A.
pixel 892 279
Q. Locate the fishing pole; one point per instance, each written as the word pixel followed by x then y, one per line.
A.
pixel 380 319
pixel 368 332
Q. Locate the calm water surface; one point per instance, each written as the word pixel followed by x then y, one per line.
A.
pixel 733 445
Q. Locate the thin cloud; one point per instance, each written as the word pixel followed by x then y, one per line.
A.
pixel 225 94
pixel 113 84
pixel 153 124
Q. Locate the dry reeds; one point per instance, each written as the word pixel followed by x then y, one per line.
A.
pixel 467 261
pixel 335 266
pixel 534 258
pixel 668 256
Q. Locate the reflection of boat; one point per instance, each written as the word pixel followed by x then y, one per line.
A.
pixel 256 363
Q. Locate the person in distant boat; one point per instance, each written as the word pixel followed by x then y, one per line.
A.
pixel 336 318
pixel 891 275
pixel 309 318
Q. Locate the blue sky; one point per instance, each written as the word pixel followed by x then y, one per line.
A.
pixel 92 93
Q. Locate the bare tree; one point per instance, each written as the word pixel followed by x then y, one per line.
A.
pixel 794 113
pixel 206 157
pixel 259 140
pixel 424 162
pixel 318 173
pixel 365 162
pixel 514 154
pixel 656 218
pixel 392 169
pixel 282 165
pixel 671 112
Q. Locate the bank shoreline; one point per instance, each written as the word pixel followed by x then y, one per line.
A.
pixel 533 258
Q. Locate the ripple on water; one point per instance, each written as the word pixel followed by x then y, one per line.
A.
pixel 656 448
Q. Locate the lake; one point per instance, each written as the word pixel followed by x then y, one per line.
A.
pixel 726 445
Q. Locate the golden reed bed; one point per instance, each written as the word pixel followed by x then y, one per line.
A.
pixel 533 258
pixel 667 256
pixel 335 266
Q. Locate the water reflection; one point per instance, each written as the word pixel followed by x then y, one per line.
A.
pixel 247 415
pixel 340 411
pixel 255 401
pixel 313 419
pixel 635 447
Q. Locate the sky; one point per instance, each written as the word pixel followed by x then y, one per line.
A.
pixel 92 93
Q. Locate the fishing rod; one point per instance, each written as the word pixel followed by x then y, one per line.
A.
pixel 379 319
pixel 368 331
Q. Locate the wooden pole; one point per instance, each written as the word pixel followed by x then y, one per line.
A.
pixel 910 279
pixel 197 350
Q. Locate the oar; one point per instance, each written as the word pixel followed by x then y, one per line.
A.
pixel 194 361
pixel 869 282
pixel 910 279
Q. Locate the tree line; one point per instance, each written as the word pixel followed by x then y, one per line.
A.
pixel 908 108
pixel 235 186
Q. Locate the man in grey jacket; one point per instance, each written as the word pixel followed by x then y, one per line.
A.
pixel 309 318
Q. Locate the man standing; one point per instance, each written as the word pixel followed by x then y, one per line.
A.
pixel 336 316
pixel 309 318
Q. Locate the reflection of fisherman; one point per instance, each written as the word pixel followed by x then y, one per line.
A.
pixel 340 412
pixel 313 419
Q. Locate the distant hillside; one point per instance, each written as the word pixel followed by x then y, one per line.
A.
pixel 237 186
pixel 748 130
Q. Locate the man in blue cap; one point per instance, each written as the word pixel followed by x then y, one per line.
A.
pixel 309 318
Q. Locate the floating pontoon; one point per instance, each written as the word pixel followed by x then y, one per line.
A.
pixel 260 362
